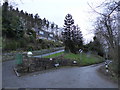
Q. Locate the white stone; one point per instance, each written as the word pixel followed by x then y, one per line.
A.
pixel 57 64
pixel 29 54
pixel 50 59
pixel 74 61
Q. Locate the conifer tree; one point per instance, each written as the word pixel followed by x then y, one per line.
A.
pixel 68 23
pixel 72 35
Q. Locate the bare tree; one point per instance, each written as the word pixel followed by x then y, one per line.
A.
pixel 106 27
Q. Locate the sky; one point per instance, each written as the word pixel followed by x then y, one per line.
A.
pixel 56 10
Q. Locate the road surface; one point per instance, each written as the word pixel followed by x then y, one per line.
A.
pixel 67 77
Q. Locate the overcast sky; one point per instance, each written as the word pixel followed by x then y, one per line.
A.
pixel 56 10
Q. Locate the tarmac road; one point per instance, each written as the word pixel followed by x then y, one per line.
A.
pixel 67 77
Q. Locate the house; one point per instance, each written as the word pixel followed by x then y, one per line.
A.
pixel 43 34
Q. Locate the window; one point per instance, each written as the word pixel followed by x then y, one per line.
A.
pixel 41 32
pixel 49 38
pixel 51 35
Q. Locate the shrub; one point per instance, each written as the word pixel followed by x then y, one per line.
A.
pixel 23 43
pixel 9 45
pixel 30 47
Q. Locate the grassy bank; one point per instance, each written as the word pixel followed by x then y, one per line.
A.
pixel 82 59
pixel 26 44
pixel 108 75
pixel 54 55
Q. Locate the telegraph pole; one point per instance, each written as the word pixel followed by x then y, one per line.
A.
pixel 118 17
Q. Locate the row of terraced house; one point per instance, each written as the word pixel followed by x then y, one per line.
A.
pixel 48 33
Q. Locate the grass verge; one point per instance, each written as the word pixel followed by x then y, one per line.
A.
pixel 108 75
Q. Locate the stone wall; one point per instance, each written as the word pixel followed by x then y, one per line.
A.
pixel 11 55
pixel 37 64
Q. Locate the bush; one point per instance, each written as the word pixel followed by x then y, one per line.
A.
pixel 23 43
pixel 48 44
pixel 114 67
pixel 28 43
pixel 10 45
pixel 30 47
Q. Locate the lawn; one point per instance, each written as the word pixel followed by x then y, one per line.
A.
pixel 54 55
pixel 82 59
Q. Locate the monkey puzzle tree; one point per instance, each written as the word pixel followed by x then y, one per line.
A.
pixel 69 45
pixel 72 35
